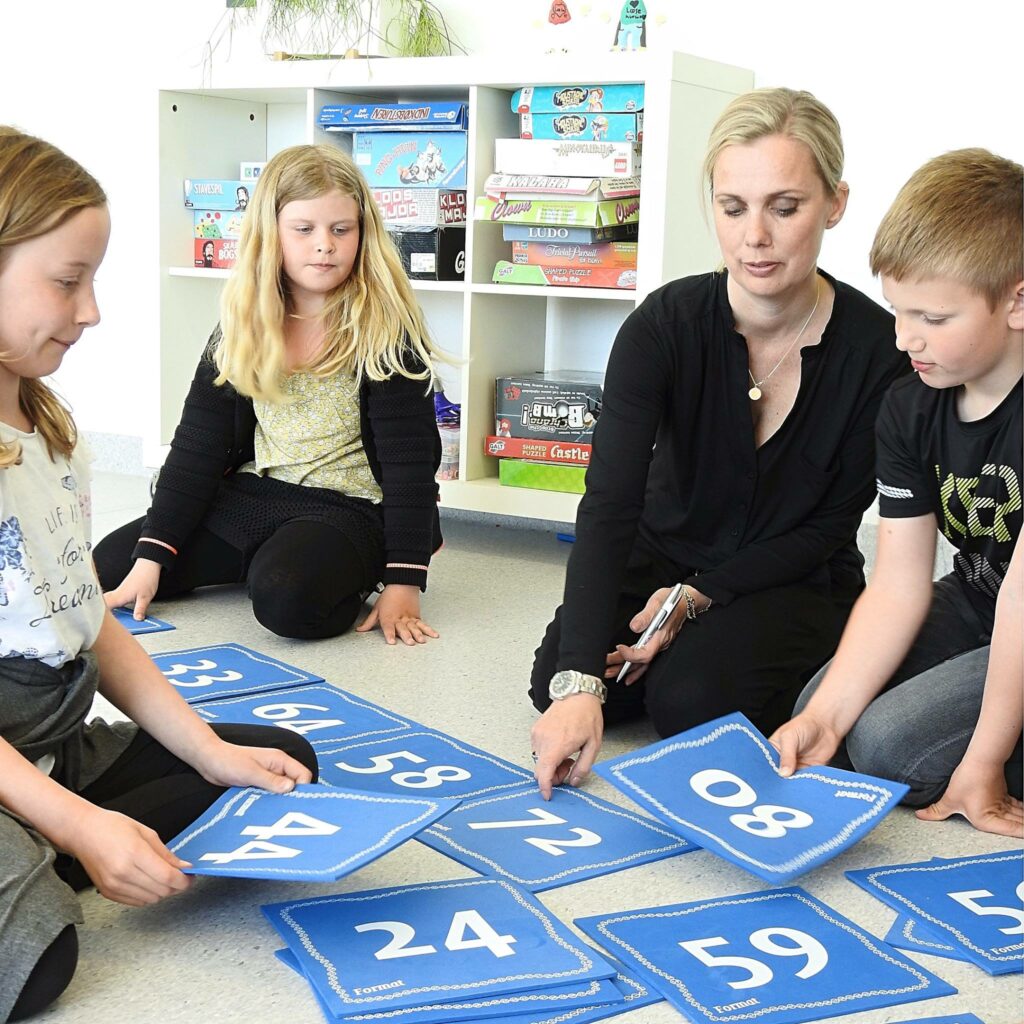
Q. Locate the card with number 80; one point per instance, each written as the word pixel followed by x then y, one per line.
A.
pixel 719 786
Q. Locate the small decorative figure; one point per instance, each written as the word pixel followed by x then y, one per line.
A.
pixel 630 32
pixel 559 13
pixel 558 16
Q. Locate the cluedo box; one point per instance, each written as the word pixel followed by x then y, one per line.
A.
pixel 557 211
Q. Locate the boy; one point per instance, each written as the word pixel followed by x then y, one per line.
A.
pixel 926 686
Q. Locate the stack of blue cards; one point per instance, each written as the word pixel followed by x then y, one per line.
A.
pixel 719 786
pixel 136 626
pixel 777 957
pixel 311 834
pixel 968 908
pixel 447 951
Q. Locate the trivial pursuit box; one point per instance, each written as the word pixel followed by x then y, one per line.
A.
pixel 598 127
pixel 549 99
pixel 217 223
pixel 216 253
pixel 393 117
pixel 574 158
pixel 542 475
pixel 570 213
pixel 217 194
pixel 428 159
pixel 564 277
pixel 427 207
pixel 620 255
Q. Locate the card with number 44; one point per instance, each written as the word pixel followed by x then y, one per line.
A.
pixel 227 670
pixel 312 834
pixel 719 786
pixel 975 904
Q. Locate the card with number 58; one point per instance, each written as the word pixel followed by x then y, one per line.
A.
pixel 719 786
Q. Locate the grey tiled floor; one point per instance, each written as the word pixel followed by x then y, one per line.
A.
pixel 207 955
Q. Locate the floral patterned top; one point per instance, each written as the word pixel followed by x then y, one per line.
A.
pixel 313 438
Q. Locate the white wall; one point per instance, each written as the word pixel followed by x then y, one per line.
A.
pixel 907 79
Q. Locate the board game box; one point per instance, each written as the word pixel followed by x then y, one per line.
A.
pixel 621 255
pixel 564 277
pixel 574 158
pixel 597 127
pixel 570 213
pixel 549 99
pixel 427 207
pixel 550 405
pixel 421 158
pixel 393 117
pixel 537 451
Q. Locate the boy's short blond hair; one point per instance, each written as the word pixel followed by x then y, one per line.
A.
pixel 959 216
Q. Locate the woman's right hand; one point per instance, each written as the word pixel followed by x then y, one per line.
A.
pixel 803 742
pixel 126 861
pixel 573 726
pixel 641 657
pixel 137 588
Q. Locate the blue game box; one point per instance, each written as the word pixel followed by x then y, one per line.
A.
pixel 217 194
pixel 555 99
pixel 393 117
pixel 424 159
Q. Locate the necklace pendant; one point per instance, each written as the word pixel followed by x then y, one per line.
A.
pixel 754 393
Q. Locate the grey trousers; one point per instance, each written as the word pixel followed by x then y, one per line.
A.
pixel 917 730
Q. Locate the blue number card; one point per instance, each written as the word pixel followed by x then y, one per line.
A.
pixel 541 844
pixel 419 761
pixel 322 713
pixel 777 957
pixel 974 903
pixel 561 1003
pixel 956 1018
pixel 313 833
pixel 907 932
pixel 137 626
pixel 719 786
pixel 415 944
pixel 227 670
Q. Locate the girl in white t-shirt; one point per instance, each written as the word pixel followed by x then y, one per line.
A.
pixel 80 803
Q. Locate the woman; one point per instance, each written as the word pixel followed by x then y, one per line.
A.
pixel 734 455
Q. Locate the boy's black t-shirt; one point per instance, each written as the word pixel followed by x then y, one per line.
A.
pixel 968 473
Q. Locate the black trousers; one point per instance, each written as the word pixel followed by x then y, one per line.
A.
pixel 153 786
pixel 305 582
pixel 753 655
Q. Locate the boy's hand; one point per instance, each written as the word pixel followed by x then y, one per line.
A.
pixel 126 861
pixel 978 792
pixel 397 612
pixel 137 588
pixel 227 764
pixel 569 727
pixel 804 741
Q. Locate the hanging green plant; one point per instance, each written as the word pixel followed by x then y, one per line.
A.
pixel 418 29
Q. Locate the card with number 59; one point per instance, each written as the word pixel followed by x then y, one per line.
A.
pixel 719 786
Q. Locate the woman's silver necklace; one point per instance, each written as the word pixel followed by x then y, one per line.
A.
pixel 755 390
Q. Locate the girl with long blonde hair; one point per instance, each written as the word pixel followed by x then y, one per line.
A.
pixel 305 458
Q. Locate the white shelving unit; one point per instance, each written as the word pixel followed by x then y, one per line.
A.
pixel 491 330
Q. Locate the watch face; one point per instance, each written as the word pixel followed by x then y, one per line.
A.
pixel 562 684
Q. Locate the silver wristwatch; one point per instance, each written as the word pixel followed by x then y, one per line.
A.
pixel 566 683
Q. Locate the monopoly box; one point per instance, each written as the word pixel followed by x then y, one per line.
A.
pixel 393 117
pixel 569 213
pixel 621 255
pixel 542 475
pixel 574 158
pixel 564 277
pixel 432 254
pixel 551 99
pixel 216 194
pixel 546 186
pixel 215 253
pixel 429 207
pixel 418 159
pixel 217 223
pixel 534 450
pixel 552 233
pixel 554 405
pixel 598 127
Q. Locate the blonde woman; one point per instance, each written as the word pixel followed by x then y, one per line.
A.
pixel 734 455
pixel 305 458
